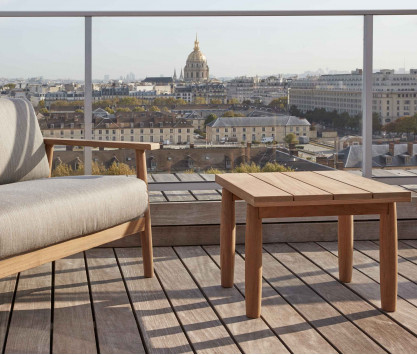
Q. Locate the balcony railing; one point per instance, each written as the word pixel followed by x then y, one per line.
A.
pixel 367 54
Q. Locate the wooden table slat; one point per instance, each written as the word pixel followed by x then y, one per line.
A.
pixel 300 190
pixel 251 189
pixel 340 190
pixel 378 189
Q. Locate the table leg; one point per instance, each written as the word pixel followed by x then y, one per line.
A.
pixel 388 249
pixel 227 239
pixel 253 262
pixel 345 247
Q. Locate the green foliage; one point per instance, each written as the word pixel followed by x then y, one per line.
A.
pixel 200 100
pixel 231 113
pixel 290 138
pixel 210 118
pixel 165 109
pixel 168 101
pixel 120 169
pixel 138 109
pixel 233 101
pixel 78 110
pixel 64 103
pixel 10 86
pixel 406 124
pixel 247 168
pixel 62 170
pixel 154 109
pixel 279 103
pixel 275 167
pixel 247 102
pixel 129 101
pixel 213 171
pixel 44 111
pixel 123 109
pixel 109 110
pixel 41 104
pixel 216 101
pixel 189 171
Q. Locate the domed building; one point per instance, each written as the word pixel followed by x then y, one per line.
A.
pixel 196 68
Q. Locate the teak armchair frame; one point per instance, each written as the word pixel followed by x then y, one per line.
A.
pixel 54 252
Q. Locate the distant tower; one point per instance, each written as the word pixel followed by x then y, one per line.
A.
pixel 196 68
pixel 175 75
pixel 181 76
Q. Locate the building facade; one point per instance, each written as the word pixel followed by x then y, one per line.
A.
pixel 394 95
pixel 255 129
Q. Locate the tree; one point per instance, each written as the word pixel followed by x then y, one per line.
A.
pixel 44 111
pixel 247 168
pixel 216 101
pixel 11 86
pixel 123 109
pixel 200 100
pixel 154 109
pixel 233 101
pixel 78 110
pixel 290 138
pixel 41 104
pixel 247 102
pixel 232 113
pixel 120 169
pixel 165 109
pixel 109 110
pixel 210 118
pixel 62 170
pixel 279 103
pixel 138 109
pixel 275 167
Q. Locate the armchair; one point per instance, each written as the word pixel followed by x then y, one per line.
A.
pixel 43 219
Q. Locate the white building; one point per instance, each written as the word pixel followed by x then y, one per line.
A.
pixel 394 95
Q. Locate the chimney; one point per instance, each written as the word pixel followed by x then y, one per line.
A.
pixel 321 160
pixel 410 148
pixel 340 165
pixel 391 148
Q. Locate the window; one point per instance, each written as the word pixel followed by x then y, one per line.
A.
pixel 179 130
pixel 244 129
pixel 99 131
pixel 132 138
pixel 141 138
pixel 188 130
pixel 171 130
pixel 179 139
pixel 263 129
pixel 151 130
pixel 151 139
pixel 114 138
pixel 122 138
pixel 107 131
pixel 226 129
pixel 131 131
pixel 114 131
pixel 161 131
pixel 122 131
pixel 253 129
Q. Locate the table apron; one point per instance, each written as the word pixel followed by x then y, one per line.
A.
pixel 323 210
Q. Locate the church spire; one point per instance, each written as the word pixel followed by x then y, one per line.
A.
pixel 181 76
pixel 196 43
pixel 175 75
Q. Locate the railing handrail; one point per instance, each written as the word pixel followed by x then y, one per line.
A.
pixel 212 13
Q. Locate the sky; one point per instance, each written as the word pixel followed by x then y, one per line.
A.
pixel 54 47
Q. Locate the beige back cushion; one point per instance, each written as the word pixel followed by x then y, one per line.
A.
pixel 22 152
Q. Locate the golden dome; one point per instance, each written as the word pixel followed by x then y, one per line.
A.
pixel 196 55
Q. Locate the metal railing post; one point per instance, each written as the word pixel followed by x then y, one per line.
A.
pixel 367 96
pixel 88 94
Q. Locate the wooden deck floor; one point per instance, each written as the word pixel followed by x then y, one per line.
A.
pixel 100 302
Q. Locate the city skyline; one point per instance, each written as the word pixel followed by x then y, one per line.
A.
pixel 54 48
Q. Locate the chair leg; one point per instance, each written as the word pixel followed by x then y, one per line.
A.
pixel 345 247
pixel 146 241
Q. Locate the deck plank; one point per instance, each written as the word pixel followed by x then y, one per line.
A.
pixel 253 335
pixel 334 326
pixel 200 322
pixel 206 195
pixel 156 196
pixel 30 327
pixel 73 319
pixel 184 177
pixel 117 330
pixel 208 177
pixel 361 283
pixel 164 178
pixel 179 196
pixel 408 249
pixel 295 332
pixel 377 325
pixel 160 328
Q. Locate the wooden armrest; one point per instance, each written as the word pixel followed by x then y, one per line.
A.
pixel 104 144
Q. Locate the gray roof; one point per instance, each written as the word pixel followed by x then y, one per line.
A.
pixel 259 121
pixel 352 156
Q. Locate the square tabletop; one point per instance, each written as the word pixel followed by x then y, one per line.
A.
pixel 309 188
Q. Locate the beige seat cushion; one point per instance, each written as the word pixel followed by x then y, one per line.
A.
pixel 38 213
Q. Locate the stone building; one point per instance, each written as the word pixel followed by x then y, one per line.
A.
pixel 196 68
pixel 252 129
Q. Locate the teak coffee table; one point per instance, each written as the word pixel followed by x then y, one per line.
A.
pixel 305 194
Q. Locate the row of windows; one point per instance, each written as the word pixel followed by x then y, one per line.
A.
pixel 254 129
